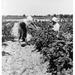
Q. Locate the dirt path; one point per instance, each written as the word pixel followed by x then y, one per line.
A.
pixel 21 60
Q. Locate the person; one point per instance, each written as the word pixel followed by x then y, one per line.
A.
pixel 19 29
pixel 23 25
pixel 22 31
pixel 56 25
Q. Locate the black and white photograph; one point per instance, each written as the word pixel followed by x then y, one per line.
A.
pixel 37 37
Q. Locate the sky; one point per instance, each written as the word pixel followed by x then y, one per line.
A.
pixel 36 7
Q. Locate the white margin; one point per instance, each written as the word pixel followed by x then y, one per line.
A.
pixel 73 37
pixel 0 38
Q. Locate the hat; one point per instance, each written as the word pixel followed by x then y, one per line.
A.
pixel 28 20
pixel 55 19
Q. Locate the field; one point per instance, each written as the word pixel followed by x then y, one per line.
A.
pixel 50 54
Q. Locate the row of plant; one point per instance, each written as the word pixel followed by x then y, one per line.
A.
pixel 57 50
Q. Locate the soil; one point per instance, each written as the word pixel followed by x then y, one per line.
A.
pixel 22 60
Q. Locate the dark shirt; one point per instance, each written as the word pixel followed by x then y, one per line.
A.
pixel 53 22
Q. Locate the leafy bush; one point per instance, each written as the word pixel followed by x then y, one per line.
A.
pixel 58 51
pixel 6 31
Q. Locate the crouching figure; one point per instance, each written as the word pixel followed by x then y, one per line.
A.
pixel 19 30
pixel 22 31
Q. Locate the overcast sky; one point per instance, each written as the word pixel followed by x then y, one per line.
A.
pixel 36 7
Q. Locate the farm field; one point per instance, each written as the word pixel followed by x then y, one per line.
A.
pixel 47 53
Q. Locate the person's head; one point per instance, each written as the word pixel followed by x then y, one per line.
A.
pixel 55 19
pixel 28 20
